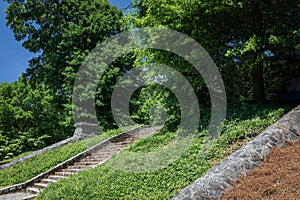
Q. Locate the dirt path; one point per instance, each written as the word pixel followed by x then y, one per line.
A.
pixel 277 178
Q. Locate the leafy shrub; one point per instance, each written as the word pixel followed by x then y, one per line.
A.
pixel 29 118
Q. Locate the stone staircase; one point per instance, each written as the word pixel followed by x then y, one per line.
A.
pixel 97 155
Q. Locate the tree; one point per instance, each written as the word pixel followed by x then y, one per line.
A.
pixel 63 33
pixel 29 118
pixel 267 33
pixel 248 37
pixel 154 104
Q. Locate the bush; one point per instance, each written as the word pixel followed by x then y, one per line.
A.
pixel 30 118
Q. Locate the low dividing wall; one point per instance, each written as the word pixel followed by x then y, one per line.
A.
pixel 222 176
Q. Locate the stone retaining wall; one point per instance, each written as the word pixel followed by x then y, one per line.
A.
pixel 222 176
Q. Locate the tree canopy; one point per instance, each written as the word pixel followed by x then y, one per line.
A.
pixel 63 33
pixel 252 39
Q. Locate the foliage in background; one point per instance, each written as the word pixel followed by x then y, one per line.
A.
pixel 154 104
pixel 29 118
pixel 63 33
pixel 257 41
pixel 37 110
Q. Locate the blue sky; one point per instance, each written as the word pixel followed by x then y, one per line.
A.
pixel 13 57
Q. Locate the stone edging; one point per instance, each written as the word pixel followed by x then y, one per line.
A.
pixel 30 182
pixel 222 176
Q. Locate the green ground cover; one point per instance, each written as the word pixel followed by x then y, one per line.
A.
pixel 104 182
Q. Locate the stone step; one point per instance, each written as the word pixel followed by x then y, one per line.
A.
pixel 30 197
pixel 79 166
pixel 103 161
pixel 102 157
pixel 64 173
pixel 86 163
pixel 96 156
pixel 49 180
pixel 97 160
pixel 72 170
pixel 91 160
pixel 40 185
pixel 105 154
pixel 121 145
pixel 118 148
pixel 107 148
pixel 123 142
pixel 55 177
pixel 33 190
pixel 94 164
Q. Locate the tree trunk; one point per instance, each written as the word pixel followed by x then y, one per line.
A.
pixel 257 72
pixel 258 84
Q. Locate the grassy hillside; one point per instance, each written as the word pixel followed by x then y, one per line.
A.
pixel 103 182
pixel 43 162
